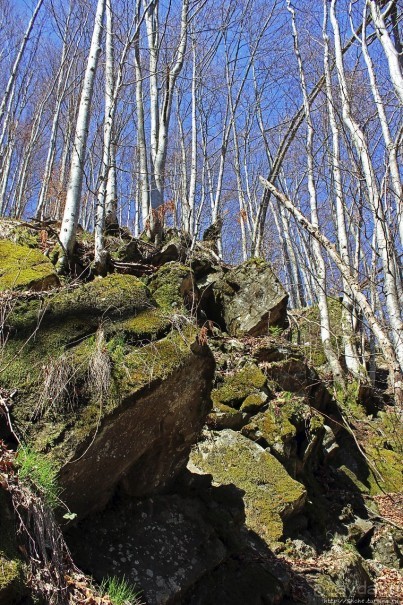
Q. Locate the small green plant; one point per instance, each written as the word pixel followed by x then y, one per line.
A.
pixel 275 331
pixel 116 348
pixel 40 473
pixel 120 592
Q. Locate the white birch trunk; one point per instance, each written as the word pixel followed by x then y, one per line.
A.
pixel 100 252
pixel 190 226
pixel 5 174
pixel 144 199
pixel 62 83
pixel 390 51
pixel 72 209
pixel 390 144
pixel 14 69
pixel 331 356
pixel 350 349
pixel 386 252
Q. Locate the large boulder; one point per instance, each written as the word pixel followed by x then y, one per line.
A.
pixel 270 494
pixel 24 268
pixel 105 386
pixel 190 546
pixel 247 299
pixel 143 441
pixel 163 545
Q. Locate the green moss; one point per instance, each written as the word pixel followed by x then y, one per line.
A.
pixel 155 360
pixel 43 330
pixel 166 285
pixel 316 423
pixel 225 409
pixel 325 586
pixel 24 268
pixel 389 465
pixel 353 478
pixel 112 296
pixel 12 585
pixel 276 427
pixel 347 399
pixel 24 236
pixel 132 372
pixel 254 402
pixel 389 425
pixel 270 494
pixel 239 386
pixel 382 443
pixel 147 325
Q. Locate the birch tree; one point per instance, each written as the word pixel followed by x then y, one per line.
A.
pixel 391 52
pixel 388 349
pixel 385 246
pixel 160 107
pixel 331 355
pixel 73 199
pixel 68 57
pixel 350 350
pixel 14 71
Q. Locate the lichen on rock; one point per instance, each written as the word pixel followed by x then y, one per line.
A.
pixel 270 494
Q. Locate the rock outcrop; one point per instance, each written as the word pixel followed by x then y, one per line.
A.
pixel 204 455
pixel 112 387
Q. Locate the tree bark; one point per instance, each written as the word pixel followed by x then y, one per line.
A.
pixel 72 209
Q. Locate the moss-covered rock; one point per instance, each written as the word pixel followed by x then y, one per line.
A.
pixel 173 286
pixel 19 232
pixel 141 435
pixel 250 380
pixel 51 341
pixel 148 325
pixel 274 429
pixel 270 494
pixel 225 417
pixel 24 268
pixel 380 469
pixel 90 372
pixel 254 402
pixel 113 296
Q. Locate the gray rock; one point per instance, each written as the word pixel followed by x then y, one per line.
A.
pixel 145 441
pixel 387 547
pixel 247 299
pixel 162 545
pixel 359 530
pixel 271 495
pixel 348 571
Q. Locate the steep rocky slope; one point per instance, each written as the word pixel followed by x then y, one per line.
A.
pixel 205 458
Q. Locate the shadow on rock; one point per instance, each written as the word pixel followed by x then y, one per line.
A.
pixel 189 547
